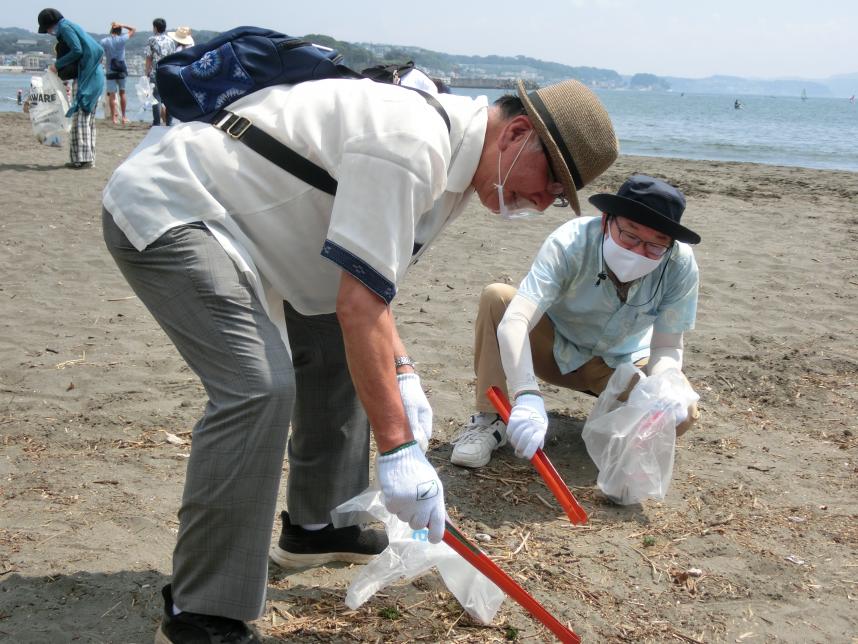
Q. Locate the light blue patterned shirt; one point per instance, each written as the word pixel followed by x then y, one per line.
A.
pixel 591 320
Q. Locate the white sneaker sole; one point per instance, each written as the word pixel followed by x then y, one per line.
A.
pixel 286 559
pixel 466 460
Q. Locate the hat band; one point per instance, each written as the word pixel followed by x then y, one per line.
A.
pixel 551 126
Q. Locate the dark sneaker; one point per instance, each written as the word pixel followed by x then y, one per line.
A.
pixel 193 628
pixel 80 165
pixel 299 548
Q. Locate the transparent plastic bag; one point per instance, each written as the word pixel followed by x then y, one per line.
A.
pixel 144 89
pixel 632 442
pixel 48 105
pixel 409 555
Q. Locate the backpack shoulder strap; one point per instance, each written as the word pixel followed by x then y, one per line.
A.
pixel 434 102
pixel 281 155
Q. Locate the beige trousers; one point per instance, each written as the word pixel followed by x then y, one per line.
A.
pixel 590 378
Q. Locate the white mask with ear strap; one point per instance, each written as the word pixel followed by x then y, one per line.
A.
pixel 627 265
pixel 521 207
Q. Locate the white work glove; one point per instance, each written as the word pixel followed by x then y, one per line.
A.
pixel 527 425
pixel 412 490
pixel 417 408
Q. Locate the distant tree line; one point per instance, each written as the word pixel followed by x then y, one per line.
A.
pixel 360 55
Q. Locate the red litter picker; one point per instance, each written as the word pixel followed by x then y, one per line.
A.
pixel 474 556
pixel 540 461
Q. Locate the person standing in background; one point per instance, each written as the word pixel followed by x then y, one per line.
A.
pixel 158 46
pixel 86 53
pixel 115 67
pixel 183 38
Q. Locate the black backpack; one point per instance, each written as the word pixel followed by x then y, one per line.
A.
pixel 70 71
pixel 388 73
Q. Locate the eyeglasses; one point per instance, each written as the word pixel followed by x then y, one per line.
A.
pixel 630 240
pixel 554 187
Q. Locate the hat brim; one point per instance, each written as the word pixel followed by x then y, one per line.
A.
pixel 558 165
pixel 43 30
pixel 644 215
pixel 182 41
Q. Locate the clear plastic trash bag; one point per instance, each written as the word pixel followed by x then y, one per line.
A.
pixel 409 555
pixel 144 89
pixel 48 105
pixel 632 442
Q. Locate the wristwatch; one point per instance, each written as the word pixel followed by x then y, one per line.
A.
pixel 403 361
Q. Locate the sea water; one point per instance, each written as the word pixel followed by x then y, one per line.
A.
pixel 816 133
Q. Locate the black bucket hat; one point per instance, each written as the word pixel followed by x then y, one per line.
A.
pixel 650 202
pixel 47 19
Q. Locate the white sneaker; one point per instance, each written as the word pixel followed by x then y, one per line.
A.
pixel 479 438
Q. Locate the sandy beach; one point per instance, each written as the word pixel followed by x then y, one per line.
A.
pixel 757 540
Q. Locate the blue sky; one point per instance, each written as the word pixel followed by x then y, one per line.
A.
pixel 750 38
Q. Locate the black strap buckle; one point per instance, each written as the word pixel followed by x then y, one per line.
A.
pixel 233 124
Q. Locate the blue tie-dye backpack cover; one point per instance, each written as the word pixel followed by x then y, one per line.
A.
pixel 197 82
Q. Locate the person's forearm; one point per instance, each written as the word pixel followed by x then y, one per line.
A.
pixel 665 353
pixel 514 343
pixel 399 348
pixel 369 335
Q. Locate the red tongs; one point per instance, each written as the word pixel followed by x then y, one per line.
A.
pixel 474 556
pixel 540 461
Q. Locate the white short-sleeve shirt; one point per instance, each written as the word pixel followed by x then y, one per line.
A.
pixel 402 177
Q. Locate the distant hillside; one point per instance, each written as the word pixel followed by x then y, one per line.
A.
pixel 748 86
pixel 544 72
pixel 361 55
pixel 843 84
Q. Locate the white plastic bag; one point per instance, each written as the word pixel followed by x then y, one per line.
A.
pixel 632 443
pixel 48 105
pixel 410 554
pixel 144 89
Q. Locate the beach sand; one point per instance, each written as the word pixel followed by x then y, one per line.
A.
pixel 96 408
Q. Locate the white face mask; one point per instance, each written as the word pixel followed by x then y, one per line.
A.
pixel 624 263
pixel 521 207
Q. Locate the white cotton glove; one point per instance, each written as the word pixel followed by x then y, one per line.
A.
pixel 412 490
pixel 527 425
pixel 417 408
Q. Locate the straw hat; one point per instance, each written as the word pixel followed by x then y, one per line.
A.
pixel 182 35
pixel 577 131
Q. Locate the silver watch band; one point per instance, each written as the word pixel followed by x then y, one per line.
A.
pixel 403 361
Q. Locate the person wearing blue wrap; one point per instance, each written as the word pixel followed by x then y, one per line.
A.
pixel 86 53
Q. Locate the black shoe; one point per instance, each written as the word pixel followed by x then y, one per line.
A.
pixel 80 165
pixel 298 548
pixel 193 628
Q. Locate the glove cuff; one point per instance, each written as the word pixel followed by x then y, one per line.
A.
pixel 405 377
pixel 407 452
pixel 531 401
